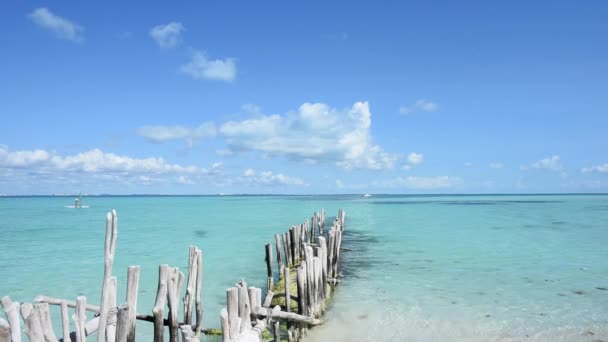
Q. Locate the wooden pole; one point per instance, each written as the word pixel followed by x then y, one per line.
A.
pixel 199 289
pixel 109 249
pixel 123 324
pixel 187 333
pixel 287 294
pixel 269 265
pixel 301 281
pixel 290 316
pixel 161 295
pixel 191 286
pixel 11 309
pixel 80 319
pixel 65 322
pixel 277 240
pixel 287 246
pixel 111 318
pixel 173 281
pixel 42 310
pixel 132 290
pixel 277 331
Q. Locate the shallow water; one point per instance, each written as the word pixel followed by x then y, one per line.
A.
pixel 444 268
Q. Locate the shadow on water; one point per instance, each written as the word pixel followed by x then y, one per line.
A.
pixel 201 233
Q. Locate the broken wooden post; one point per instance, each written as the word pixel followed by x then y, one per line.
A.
pixel 132 289
pixel 109 249
pixel 225 324
pixel 268 299
pixel 161 295
pixel 80 318
pixel 5 331
pixel 122 322
pixel 255 296
pixel 33 329
pixel 42 310
pixel 199 288
pixel 269 265
pixel 11 309
pixel 190 286
pixel 232 301
pixel 187 333
pixel 277 241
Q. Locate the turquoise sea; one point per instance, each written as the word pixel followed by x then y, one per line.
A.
pixel 415 268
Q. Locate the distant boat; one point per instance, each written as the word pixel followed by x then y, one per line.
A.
pixel 367 195
pixel 77 203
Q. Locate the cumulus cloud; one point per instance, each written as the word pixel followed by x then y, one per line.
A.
pixel 550 163
pixel 412 160
pixel 419 182
pixel 315 132
pixel 421 105
pixel 496 165
pixel 95 161
pixel 60 27
pixel 597 168
pixel 201 67
pixel 161 134
pixel 169 35
pixel 269 178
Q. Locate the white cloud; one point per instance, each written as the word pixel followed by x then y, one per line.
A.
pixel 597 168
pixel 161 134
pixel 201 67
pixel 314 132
pixel 94 161
pixel 415 158
pixel 416 182
pixel 421 105
pixel 269 178
pixel 550 163
pixel 169 35
pixel 184 180
pixel 496 165
pixel 60 27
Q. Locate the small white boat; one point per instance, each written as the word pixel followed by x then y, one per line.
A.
pixel 367 195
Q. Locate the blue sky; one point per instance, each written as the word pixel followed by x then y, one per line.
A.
pixel 315 97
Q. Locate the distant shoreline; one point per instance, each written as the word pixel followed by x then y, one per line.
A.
pixel 310 195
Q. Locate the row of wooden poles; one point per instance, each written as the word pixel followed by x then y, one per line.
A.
pixel 307 255
pixel 112 322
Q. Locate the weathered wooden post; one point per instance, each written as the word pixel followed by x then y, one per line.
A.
pixel 270 282
pixel 132 290
pixel 232 301
pixel 199 289
pixel 80 318
pixel 174 280
pixel 301 280
pixel 5 331
pixel 33 329
pixel 42 310
pixel 111 318
pixel 287 245
pixel 65 322
pixel 11 309
pixel 161 295
pixel 122 322
pixel 109 250
pixel 277 241
pixel 287 294
pixel 190 286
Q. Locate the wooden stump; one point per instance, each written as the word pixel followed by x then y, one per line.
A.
pixel 11 309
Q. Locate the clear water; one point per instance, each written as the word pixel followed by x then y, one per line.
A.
pixel 417 268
